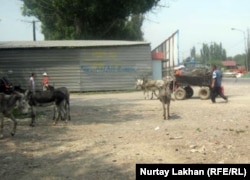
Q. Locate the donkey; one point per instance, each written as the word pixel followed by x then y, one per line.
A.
pixel 46 98
pixel 149 85
pixel 64 109
pixel 7 104
pixel 165 97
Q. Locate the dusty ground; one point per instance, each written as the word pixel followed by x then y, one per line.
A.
pixel 111 132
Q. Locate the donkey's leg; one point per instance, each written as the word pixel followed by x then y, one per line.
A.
pixel 164 110
pixel 145 93
pixel 63 110
pixel 59 111
pixel 168 104
pixel 14 125
pixel 68 110
pixel 56 110
pixel 152 94
pixel 33 116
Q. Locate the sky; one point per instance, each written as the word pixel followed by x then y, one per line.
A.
pixel 13 25
pixel 207 21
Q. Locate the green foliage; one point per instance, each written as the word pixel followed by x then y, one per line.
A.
pixel 240 59
pixel 213 53
pixel 193 52
pixel 209 54
pixel 90 19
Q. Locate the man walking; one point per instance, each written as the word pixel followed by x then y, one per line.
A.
pixel 216 88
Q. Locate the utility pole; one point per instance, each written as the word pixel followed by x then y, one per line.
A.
pixel 247 50
pixel 246 46
pixel 34 28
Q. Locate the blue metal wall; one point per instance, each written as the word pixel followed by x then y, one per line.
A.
pixel 157 69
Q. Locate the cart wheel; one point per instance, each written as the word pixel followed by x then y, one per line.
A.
pixel 180 93
pixel 204 93
pixel 189 91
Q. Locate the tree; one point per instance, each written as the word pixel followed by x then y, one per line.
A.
pixel 205 53
pixel 213 54
pixel 193 56
pixel 240 59
pixel 89 19
pixel 193 52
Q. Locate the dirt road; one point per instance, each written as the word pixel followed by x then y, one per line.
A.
pixel 111 132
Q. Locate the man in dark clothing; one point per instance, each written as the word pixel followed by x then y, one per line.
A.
pixel 216 88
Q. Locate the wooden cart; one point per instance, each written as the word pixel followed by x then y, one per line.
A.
pixel 185 83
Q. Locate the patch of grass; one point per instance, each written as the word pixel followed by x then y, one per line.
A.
pixel 198 129
pixel 240 131
pixel 19 115
pixel 236 131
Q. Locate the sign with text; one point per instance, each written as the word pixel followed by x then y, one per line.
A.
pixel 192 171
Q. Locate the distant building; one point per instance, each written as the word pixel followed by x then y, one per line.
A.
pixel 229 64
pixel 232 66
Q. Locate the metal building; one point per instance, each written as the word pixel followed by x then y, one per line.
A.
pixel 78 65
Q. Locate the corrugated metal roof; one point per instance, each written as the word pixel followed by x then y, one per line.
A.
pixel 67 43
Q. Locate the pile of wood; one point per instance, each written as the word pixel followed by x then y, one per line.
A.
pixel 197 72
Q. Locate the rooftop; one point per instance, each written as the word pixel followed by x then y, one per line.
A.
pixel 229 63
pixel 66 43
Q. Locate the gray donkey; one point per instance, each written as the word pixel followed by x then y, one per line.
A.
pixel 165 97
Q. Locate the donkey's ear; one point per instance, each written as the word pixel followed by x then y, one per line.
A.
pixel 26 92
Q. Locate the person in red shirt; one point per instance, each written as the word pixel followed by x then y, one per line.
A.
pixel 179 70
pixel 45 81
